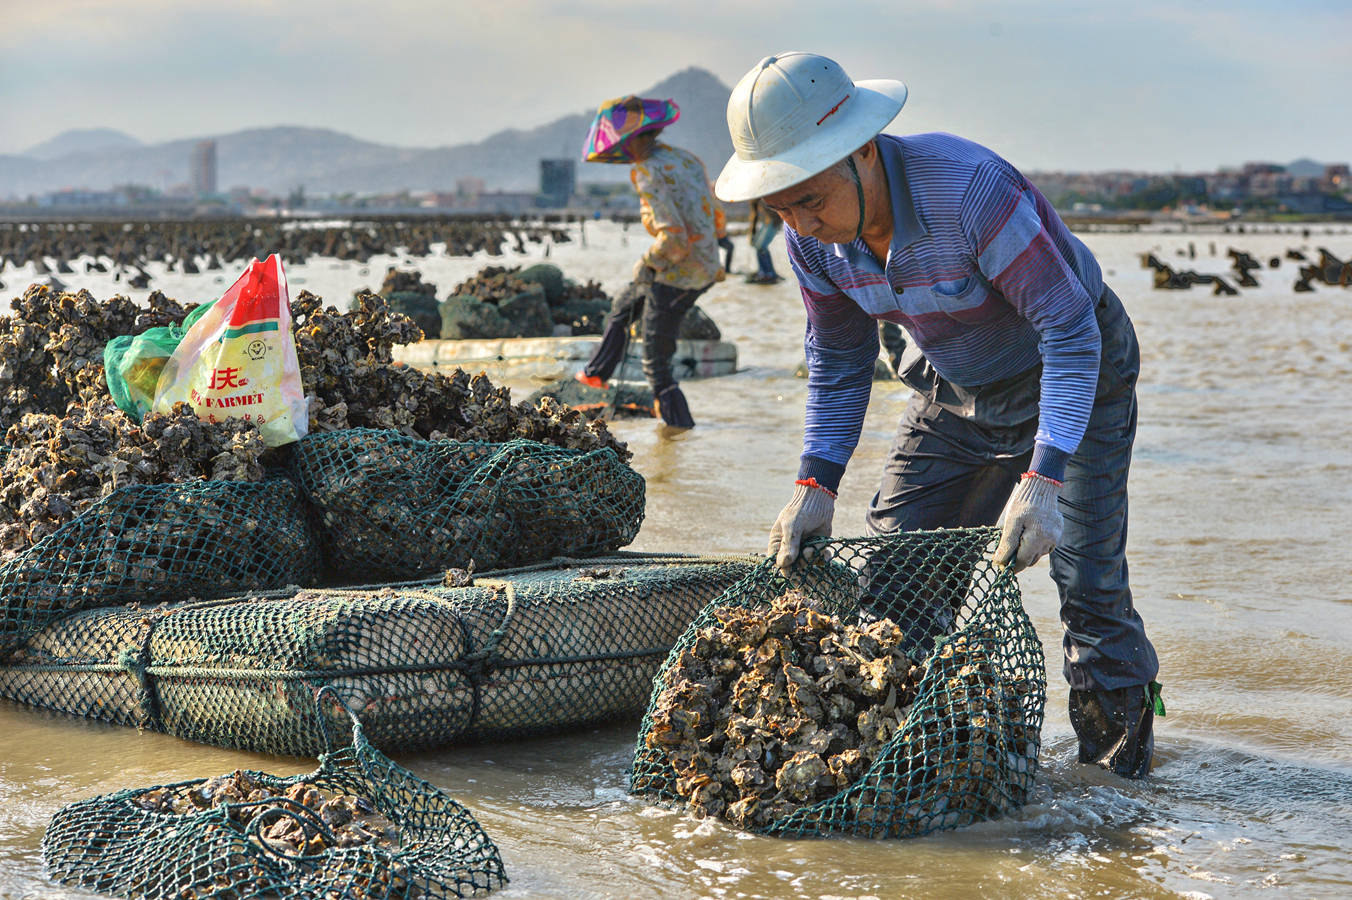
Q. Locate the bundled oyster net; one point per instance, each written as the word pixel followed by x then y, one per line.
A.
pixel 58 465
pixel 891 687
pixel 457 658
pixel 77 527
pixel 159 542
pixel 97 510
pixel 359 827
pixel 393 506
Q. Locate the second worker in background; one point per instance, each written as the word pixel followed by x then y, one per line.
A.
pixel 680 212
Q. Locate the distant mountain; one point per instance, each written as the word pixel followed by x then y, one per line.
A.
pixel 82 140
pixel 1305 168
pixel 326 161
pixel 510 160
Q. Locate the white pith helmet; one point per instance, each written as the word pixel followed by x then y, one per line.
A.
pixel 796 114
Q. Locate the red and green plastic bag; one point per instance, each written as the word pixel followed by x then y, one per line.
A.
pixel 238 361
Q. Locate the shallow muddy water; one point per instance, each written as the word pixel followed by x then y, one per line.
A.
pixel 1241 490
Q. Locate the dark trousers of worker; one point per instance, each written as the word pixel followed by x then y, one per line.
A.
pixel 660 307
pixel 958 454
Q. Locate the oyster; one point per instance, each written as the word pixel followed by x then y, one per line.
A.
pixel 290 820
pixel 773 710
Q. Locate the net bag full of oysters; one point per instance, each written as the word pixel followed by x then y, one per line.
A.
pixel 887 687
pixel 359 827
pixel 393 506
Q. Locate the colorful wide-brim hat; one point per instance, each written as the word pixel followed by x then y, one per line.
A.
pixel 620 119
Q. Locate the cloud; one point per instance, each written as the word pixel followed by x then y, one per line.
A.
pixel 1052 84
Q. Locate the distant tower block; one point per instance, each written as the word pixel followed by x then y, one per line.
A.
pixel 204 167
pixel 558 181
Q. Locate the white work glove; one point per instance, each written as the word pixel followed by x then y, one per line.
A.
pixel 1031 524
pixel 807 515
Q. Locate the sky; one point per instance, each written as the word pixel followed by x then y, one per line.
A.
pixel 1147 85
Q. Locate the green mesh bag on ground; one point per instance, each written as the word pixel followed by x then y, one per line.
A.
pixel 888 687
pixel 424 664
pixel 393 506
pixel 150 543
pixel 210 840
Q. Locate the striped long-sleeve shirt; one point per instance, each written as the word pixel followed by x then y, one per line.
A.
pixel 983 275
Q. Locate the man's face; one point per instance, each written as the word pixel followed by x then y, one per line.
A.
pixel 825 207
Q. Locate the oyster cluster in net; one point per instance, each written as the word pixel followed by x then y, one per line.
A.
pixel 350 819
pixel 57 465
pixel 407 293
pixel 295 820
pixel 775 709
pixel 51 346
pixel 68 445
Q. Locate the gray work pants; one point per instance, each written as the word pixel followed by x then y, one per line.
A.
pixel 661 308
pixel 959 452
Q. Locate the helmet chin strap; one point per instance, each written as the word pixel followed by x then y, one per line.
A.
pixel 859 189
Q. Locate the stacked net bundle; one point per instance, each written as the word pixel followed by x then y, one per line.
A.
pixel 359 827
pixel 392 506
pixel 160 542
pixel 424 665
pixel 888 687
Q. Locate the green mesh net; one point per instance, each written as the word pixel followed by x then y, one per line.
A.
pixel 887 687
pixel 157 543
pixel 359 827
pixel 423 664
pixel 393 506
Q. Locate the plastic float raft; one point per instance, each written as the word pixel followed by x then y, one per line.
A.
pixel 562 645
pixel 552 358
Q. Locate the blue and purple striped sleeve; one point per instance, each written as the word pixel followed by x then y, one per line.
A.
pixel 1003 218
pixel 841 345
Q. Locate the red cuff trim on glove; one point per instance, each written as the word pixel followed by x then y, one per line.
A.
pixel 812 483
pixel 1039 477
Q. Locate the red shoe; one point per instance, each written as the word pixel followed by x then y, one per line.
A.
pixel 591 381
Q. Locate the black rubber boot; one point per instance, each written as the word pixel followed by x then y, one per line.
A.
pixel 1116 729
pixel 673 409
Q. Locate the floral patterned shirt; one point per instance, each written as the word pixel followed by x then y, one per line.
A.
pixel 679 210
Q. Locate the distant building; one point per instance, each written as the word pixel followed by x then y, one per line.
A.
pixel 204 168
pixel 558 181
pixel 72 197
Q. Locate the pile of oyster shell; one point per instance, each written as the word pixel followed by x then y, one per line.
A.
pixel 350 819
pixel 51 346
pixel 352 381
pixel 493 284
pixel 299 820
pixel 67 444
pixel 57 465
pixel 778 708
